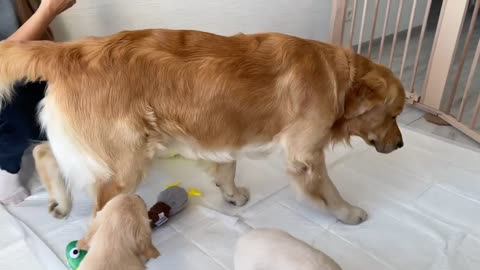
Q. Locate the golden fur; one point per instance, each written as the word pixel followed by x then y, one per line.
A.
pixel 119 237
pixel 115 102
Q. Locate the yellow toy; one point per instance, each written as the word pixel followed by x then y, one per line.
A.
pixel 191 192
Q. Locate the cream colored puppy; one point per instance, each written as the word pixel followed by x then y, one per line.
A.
pixel 266 249
pixel 119 237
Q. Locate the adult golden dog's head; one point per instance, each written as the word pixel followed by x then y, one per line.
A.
pixel 372 105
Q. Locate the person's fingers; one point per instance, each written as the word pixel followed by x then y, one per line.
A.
pixel 70 4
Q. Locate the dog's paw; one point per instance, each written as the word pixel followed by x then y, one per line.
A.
pixel 57 210
pixel 239 198
pixel 352 216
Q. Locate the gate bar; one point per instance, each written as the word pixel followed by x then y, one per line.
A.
pixel 407 41
pixel 337 21
pixel 463 58
pixel 352 25
pixel 362 26
pixel 469 83
pixel 385 23
pixel 395 34
pixel 443 51
pixel 420 43
pixel 372 35
pixel 475 114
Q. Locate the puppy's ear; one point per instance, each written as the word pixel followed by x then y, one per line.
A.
pixel 143 236
pixel 150 252
pixel 365 94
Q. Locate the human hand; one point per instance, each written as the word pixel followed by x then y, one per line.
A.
pixel 36 26
pixel 55 7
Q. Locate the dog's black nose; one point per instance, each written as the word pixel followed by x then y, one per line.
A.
pixel 400 144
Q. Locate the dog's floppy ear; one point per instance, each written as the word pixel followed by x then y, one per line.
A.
pixel 150 251
pixel 365 95
pixel 143 236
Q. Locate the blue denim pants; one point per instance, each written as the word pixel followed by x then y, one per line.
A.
pixel 19 125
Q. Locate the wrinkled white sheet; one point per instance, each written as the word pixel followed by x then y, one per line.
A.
pixel 423 202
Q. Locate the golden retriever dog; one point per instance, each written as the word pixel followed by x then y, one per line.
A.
pixel 119 236
pixel 263 249
pixel 114 103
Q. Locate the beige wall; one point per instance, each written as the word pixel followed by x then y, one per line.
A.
pixel 305 18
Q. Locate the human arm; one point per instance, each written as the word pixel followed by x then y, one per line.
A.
pixel 35 27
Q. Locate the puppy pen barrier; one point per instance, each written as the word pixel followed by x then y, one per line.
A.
pixel 432 45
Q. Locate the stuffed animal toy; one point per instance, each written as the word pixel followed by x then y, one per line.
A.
pixel 169 202
pixel 74 255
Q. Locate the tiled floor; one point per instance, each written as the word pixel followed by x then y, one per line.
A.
pixel 413 117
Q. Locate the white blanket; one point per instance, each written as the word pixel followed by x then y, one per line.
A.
pixel 423 203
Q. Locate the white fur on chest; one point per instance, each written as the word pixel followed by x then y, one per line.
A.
pixel 191 150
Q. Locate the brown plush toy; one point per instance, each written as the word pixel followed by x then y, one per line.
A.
pixel 169 202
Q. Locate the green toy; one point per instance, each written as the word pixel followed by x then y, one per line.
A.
pixel 74 255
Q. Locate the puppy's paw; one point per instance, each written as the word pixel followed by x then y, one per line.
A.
pixel 352 215
pixel 59 211
pixel 239 198
pixel 82 244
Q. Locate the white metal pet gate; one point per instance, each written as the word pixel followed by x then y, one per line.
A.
pixel 431 49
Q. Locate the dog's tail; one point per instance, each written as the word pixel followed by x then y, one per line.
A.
pixel 27 61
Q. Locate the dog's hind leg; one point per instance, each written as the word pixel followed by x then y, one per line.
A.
pixel 127 174
pixel 105 190
pixel 60 200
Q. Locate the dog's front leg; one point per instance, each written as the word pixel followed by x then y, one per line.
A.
pixel 310 174
pixel 224 174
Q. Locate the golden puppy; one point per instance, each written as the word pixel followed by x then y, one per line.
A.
pixel 115 102
pixel 262 249
pixel 119 237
